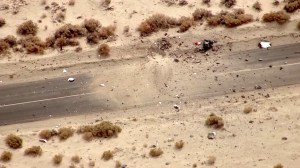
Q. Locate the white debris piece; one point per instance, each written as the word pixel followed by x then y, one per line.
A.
pixel 265 44
pixel 65 71
pixel 43 140
pixel 103 85
pixel 71 79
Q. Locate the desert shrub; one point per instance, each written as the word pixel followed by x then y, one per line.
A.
pixel 107 155
pixel 91 25
pixel 155 23
pixel 78 49
pixel 2 22
pixel 11 40
pixel 228 3
pixel 33 151
pixel 106 32
pixel 292 6
pixel 50 42
pixel 247 110
pixel 61 16
pixel 33 44
pixel 43 2
pixel 4 46
pixel 238 11
pixel 182 2
pixel 57 159
pixel 71 2
pixel 231 20
pixel 92 38
pixel 214 20
pixel 65 133
pixel 206 2
pixel 14 141
pixel 179 144
pixel 75 159
pixel 105 3
pixel 257 6
pixel 61 42
pixel 84 129
pixel 105 129
pixel 280 17
pixel 278 166
pixel 47 134
pixel 199 14
pixel 185 23
pixel 155 152
pixel 214 121
pixel 72 42
pixel 27 28
pixel 6 156
pixel 104 50
pixel 70 31
pixel 211 160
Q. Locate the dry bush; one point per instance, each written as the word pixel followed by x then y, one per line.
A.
pixel 231 20
pixel 211 160
pixel 75 159
pixel 61 16
pixel 34 151
pixel 228 3
pixel 33 44
pixel 107 155
pixel 4 46
pixel 106 32
pixel 214 121
pixel 106 3
pixel 2 22
pixel 84 129
pixel 257 6
pixel 199 14
pixel 238 11
pixel 179 144
pixel 14 141
pixel 78 49
pixel 106 129
pixel 70 31
pixel 72 42
pixel 292 6
pixel 155 23
pixel 247 110
pixel 92 38
pixel 11 40
pixel 118 164
pixel 6 156
pixel 88 136
pixel 155 152
pixel 214 20
pixel 280 17
pixel 47 134
pixel 50 42
pixel 65 133
pixel 104 50
pixel 91 25
pixel 57 159
pixel 43 2
pixel 27 28
pixel 182 2
pixel 185 23
pixel 279 165
pixel 71 2
pixel 206 2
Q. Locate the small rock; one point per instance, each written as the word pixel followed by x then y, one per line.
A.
pixel 167 163
pixel 260 59
pixel 211 135
pixel 257 87
pixel 284 138
pixel 103 85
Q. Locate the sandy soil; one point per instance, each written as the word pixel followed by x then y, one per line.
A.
pixel 249 140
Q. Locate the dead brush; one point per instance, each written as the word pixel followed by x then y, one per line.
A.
pixel 6 156
pixel 106 32
pixel 33 151
pixel 14 141
pixel 214 121
pixel 70 31
pixel 75 159
pixel 92 38
pixel 71 2
pixel 200 14
pixel 11 40
pixel 27 28
pixel 237 18
pixel 33 44
pixel 228 3
pixel 105 129
pixel 2 22
pixel 179 145
pixel 57 159
pixel 4 46
pixel 47 134
pixel 185 23
pixel 105 3
pixel 65 133
pixel 280 17
pixel 104 50
pixel 206 2
pixel 292 6
pixel 257 6
pixel 107 155
pixel 91 25
pixel 155 152
pixel 279 165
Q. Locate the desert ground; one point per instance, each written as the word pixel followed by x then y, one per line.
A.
pixel 158 93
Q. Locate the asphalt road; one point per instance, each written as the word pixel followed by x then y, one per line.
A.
pixel 25 102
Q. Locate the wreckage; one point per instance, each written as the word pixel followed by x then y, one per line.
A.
pixel 204 45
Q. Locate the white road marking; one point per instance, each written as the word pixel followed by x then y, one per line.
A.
pixel 42 100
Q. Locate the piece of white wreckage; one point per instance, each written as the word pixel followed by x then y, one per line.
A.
pixel 264 44
pixel 71 79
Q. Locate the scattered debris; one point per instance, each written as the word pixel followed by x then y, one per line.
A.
pixel 163 44
pixel 102 84
pixel 264 44
pixel 273 109
pixel 284 138
pixel 204 46
pixel 71 79
pixel 43 140
pixel 177 108
pixel 257 87
pixel 65 71
pixel 211 135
